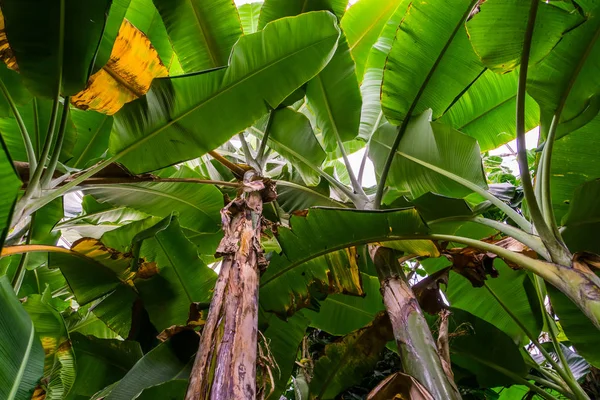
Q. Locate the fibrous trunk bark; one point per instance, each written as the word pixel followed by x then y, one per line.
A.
pixel 416 345
pixel 225 365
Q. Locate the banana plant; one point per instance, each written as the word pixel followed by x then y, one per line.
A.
pixel 172 169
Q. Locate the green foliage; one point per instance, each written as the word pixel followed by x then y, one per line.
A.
pixel 290 88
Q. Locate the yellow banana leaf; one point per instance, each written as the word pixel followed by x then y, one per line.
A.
pixel 128 74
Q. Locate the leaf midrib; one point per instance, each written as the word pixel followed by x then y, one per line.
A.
pixel 224 90
pixel 209 46
pixel 157 193
pixel 391 4
pixel 15 387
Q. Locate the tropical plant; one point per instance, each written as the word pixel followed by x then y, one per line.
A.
pixel 180 216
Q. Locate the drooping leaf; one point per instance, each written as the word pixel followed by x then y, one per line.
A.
pixel 127 75
pixel 198 205
pixel 284 338
pixel 497 32
pixel 22 354
pixel 573 165
pixel 249 14
pixel 363 23
pixel 175 277
pixel 566 78
pixel 486 110
pixel 99 218
pixel 582 222
pixel 202 33
pixel 312 264
pixel 10 184
pixel 347 360
pixel 424 148
pixel 334 97
pixel 36 117
pixel 93 131
pixel 341 314
pixel 54 51
pixel 422 74
pixel 170 360
pixel 161 124
pixel 100 362
pixel 59 365
pixel 475 340
pixel 291 135
pixel 275 9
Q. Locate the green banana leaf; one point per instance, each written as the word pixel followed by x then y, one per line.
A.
pixel 425 149
pixel 249 14
pixel 144 16
pixel 313 264
pixel 292 136
pixel 19 95
pixel 363 23
pixel 486 111
pixel 582 222
pixel 117 12
pixel 374 62
pixel 93 131
pixel 202 33
pixel 171 390
pixel 573 163
pixel 59 365
pixel 100 362
pixel 284 339
pixel 422 74
pixel 198 205
pixel 497 32
pixel 167 361
pixel 341 314
pixel 293 196
pixel 275 9
pixel 179 278
pixel 566 79
pixel 23 356
pixel 55 49
pixel 36 117
pixel 512 287
pixel 10 184
pixel 480 348
pixel 334 97
pixel 98 218
pixel 347 360
pixel 182 118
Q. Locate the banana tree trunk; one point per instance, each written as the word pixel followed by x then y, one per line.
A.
pixel 418 351
pixel 225 365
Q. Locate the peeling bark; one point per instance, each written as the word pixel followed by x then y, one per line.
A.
pixel 418 351
pixel 225 365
